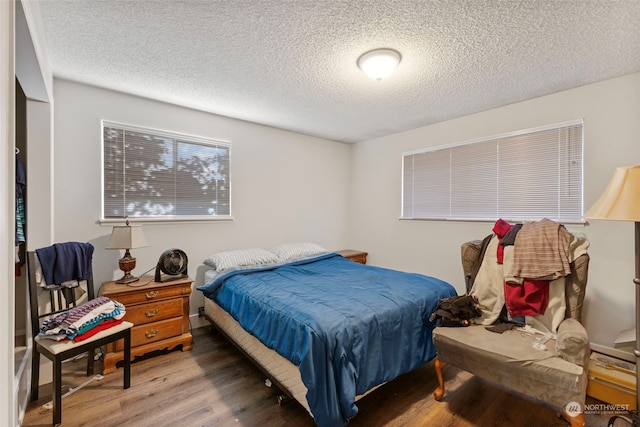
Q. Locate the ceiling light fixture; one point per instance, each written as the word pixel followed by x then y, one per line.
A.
pixel 379 63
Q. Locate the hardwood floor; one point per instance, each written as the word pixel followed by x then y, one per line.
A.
pixel 214 385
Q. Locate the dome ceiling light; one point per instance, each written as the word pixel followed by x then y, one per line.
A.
pixel 379 63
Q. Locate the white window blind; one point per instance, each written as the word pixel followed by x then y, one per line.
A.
pixel 527 175
pixel 155 174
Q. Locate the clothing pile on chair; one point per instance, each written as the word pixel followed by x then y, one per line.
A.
pixel 524 269
pixel 84 321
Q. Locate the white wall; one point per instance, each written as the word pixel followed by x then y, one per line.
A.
pixel 290 187
pixel 286 187
pixel 8 401
pixel 610 111
pixel 22 56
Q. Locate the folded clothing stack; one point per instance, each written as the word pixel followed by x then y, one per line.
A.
pixel 84 321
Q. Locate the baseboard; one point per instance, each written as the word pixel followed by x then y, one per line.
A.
pixel 197 321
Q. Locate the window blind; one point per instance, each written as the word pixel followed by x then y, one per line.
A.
pixel 156 174
pixel 526 175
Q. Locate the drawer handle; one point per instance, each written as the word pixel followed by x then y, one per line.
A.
pixel 152 333
pixel 151 313
pixel 151 294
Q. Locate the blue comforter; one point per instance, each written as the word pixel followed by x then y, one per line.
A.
pixel 348 326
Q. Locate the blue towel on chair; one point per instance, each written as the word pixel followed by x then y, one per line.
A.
pixel 65 261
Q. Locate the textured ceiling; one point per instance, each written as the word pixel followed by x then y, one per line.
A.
pixel 292 64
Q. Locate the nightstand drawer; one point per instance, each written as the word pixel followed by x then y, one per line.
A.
pixel 149 294
pixel 152 332
pixel 159 312
pixel 152 312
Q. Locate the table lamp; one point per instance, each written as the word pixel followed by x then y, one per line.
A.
pixel 621 202
pixel 127 237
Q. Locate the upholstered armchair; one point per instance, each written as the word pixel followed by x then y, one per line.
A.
pixel 553 372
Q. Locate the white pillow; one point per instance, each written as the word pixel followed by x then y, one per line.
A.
pixel 240 257
pixel 293 251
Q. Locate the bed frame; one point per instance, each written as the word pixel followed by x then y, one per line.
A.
pixel 279 371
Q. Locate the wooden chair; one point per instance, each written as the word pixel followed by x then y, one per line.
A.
pixel 58 301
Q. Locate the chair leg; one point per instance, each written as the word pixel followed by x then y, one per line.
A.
pixel 127 359
pixel 574 421
pixel 90 361
pixel 35 374
pixel 438 394
pixel 57 391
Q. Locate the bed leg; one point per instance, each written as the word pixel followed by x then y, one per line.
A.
pixel 439 392
pixel 282 399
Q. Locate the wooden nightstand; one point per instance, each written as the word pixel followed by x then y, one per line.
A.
pixel 355 256
pixel 159 312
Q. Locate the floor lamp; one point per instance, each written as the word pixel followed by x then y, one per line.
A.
pixel 621 202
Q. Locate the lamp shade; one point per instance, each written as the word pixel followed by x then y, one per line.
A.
pixel 621 199
pixel 127 237
pixel 380 63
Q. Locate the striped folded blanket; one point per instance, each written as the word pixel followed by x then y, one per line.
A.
pixel 541 251
pixel 78 320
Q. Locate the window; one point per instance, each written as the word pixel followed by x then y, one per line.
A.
pixel 160 175
pixel 527 175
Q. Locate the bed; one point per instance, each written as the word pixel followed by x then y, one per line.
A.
pixel 326 330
